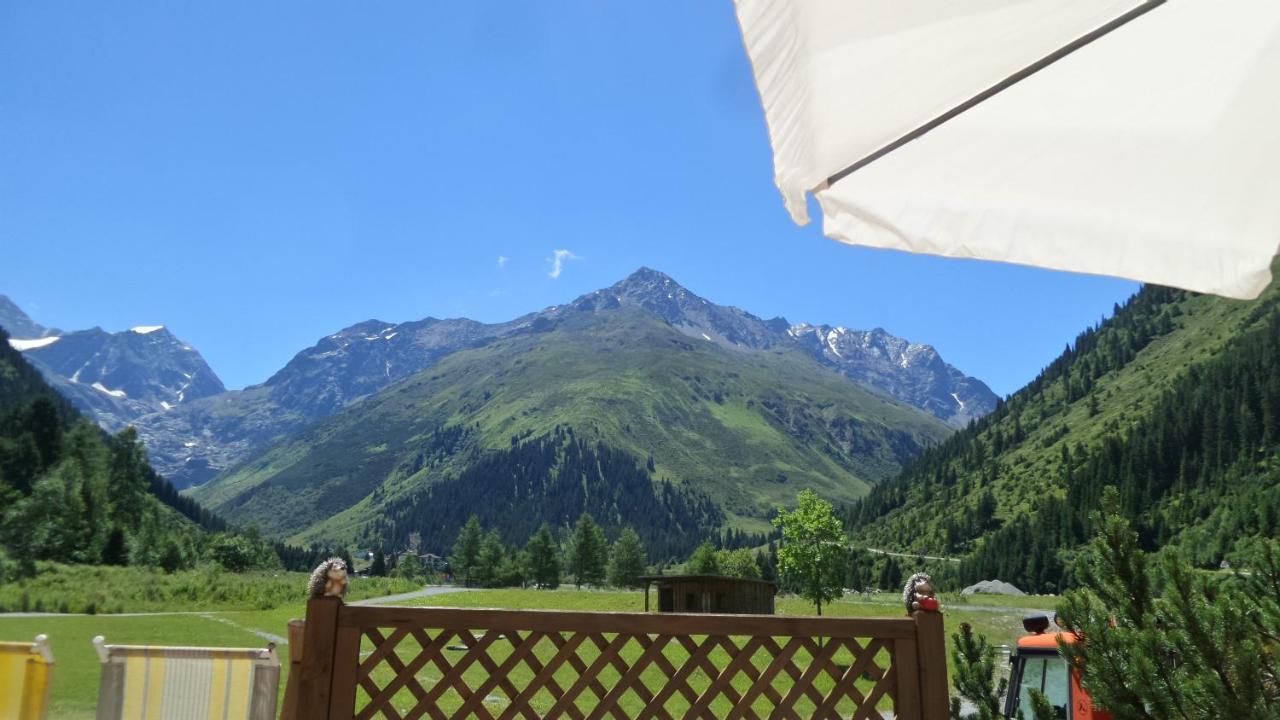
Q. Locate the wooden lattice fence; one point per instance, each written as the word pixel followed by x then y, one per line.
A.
pixel 402 663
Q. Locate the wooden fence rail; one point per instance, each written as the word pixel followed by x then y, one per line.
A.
pixel 408 663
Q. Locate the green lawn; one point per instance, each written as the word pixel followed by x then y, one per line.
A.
pixel 106 589
pixel 77 668
pixel 229 602
pixel 986 613
pixel 1001 624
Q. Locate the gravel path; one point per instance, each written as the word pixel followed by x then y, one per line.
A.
pixel 424 592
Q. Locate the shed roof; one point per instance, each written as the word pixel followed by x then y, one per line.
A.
pixel 654 578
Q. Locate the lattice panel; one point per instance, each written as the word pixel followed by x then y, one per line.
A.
pixel 407 673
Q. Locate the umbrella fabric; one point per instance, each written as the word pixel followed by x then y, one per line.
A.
pixel 1151 153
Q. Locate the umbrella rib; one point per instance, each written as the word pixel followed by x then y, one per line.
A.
pixel 999 87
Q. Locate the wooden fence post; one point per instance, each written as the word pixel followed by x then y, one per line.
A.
pixel 931 645
pixel 290 709
pixel 319 638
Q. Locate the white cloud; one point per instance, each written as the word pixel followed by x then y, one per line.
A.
pixel 558 260
pixel 502 261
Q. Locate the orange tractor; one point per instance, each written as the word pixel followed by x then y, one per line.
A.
pixel 1037 665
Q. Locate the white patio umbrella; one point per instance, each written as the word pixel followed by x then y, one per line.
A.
pixel 1115 137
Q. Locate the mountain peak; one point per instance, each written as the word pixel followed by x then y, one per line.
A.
pixel 644 273
pixel 646 279
pixel 18 324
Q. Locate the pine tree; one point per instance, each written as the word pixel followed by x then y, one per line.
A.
pixel 544 560
pixel 410 567
pixel 767 569
pixel 1168 641
pixel 626 560
pixel 489 564
pixel 587 553
pixel 466 551
pixel 974 662
pixel 379 566
pixel 116 552
pixel 890 577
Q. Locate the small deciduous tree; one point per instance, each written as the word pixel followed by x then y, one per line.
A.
pixel 740 563
pixel 812 548
pixel 233 552
pixel 626 560
pixel 703 561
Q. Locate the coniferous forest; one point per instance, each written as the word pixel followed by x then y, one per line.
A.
pixel 1189 439
pixel 553 479
pixel 1203 458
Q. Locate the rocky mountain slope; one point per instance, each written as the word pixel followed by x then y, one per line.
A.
pixel 194 443
pixel 740 429
pixel 193 440
pixel 907 371
pixel 911 372
pixel 18 324
pixel 114 377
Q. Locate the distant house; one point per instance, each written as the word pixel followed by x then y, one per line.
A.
pixel 430 561
pixel 711 594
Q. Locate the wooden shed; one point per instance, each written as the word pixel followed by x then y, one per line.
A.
pixel 711 594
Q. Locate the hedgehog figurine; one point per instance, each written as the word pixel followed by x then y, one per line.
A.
pixel 329 579
pixel 918 593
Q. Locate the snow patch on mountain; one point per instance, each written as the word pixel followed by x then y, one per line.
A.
pixel 146 329
pixel 31 344
pixel 104 389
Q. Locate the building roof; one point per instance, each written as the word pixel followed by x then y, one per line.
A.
pixel 656 578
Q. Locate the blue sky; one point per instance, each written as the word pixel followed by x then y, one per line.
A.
pixel 257 175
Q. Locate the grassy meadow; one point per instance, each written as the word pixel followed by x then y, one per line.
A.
pixel 102 589
pixel 240 620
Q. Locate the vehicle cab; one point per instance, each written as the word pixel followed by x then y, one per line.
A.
pixel 1037 665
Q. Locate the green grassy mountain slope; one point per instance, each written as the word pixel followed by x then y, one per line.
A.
pixel 1175 400
pixel 743 429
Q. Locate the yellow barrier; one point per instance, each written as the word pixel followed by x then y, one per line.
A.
pixel 26 672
